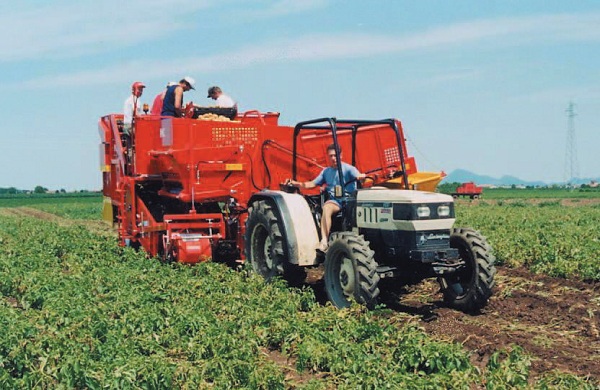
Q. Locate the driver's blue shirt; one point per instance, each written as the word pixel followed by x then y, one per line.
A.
pixel 330 177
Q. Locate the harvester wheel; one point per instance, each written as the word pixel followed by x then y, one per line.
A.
pixel 469 288
pixel 350 271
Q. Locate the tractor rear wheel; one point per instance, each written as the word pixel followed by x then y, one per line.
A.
pixel 265 245
pixel 469 288
pixel 264 241
pixel 350 271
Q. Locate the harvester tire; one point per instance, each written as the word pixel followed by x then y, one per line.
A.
pixel 350 271
pixel 469 288
pixel 265 245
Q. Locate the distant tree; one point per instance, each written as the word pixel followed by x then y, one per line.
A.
pixel 447 188
pixel 9 190
pixel 62 191
pixel 40 190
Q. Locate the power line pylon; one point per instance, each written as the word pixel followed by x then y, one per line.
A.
pixel 571 165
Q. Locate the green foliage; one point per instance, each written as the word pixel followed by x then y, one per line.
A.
pixel 548 238
pixel 508 369
pixel 39 190
pixel 541 193
pixel 77 311
pixel 88 203
pixel 558 381
pixel 448 188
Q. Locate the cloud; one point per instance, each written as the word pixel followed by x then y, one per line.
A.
pixel 69 29
pixel 546 29
pixel 561 94
pixel 66 29
pixel 283 7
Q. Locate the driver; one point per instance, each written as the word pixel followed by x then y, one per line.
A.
pixel 330 177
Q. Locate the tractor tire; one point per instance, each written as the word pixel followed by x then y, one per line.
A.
pixel 265 245
pixel 350 271
pixel 469 289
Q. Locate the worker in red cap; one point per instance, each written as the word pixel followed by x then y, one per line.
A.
pixel 132 105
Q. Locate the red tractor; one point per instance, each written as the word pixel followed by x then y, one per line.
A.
pixel 190 190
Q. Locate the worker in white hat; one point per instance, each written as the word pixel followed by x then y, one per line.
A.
pixel 132 107
pixel 173 101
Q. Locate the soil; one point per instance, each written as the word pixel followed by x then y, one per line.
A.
pixel 556 321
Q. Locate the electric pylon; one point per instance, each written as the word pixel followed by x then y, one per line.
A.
pixel 571 165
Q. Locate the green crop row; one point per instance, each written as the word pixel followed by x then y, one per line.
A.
pixel 535 193
pixel 75 206
pixel 77 311
pixel 562 241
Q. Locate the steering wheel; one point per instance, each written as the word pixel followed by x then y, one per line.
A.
pixel 356 180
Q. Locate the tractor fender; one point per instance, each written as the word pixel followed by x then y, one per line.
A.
pixel 299 230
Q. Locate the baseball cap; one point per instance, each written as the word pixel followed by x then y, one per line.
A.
pixel 137 84
pixel 190 81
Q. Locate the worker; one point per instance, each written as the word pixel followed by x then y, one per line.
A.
pixel 173 101
pixel 330 177
pixel 132 107
pixel 158 100
pixel 222 100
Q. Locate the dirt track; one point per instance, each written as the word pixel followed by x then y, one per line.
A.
pixel 556 321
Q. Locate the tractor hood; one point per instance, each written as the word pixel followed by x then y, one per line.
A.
pixel 382 194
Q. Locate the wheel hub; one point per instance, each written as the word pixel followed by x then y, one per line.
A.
pixel 267 253
pixel 346 276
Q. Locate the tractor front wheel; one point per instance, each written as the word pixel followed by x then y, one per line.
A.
pixel 469 288
pixel 350 271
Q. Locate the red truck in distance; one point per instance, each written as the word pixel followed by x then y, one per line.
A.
pixel 469 189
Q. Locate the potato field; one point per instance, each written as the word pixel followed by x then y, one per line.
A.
pixel 78 311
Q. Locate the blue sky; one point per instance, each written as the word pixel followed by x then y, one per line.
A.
pixel 478 85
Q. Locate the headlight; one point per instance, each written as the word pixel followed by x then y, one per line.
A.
pixel 443 211
pixel 423 212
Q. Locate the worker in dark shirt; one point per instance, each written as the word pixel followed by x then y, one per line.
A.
pixel 173 101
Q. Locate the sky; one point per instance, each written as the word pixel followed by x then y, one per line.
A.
pixel 478 85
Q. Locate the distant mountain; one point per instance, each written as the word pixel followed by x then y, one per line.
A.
pixel 462 175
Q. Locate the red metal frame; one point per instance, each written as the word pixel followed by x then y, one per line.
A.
pixel 182 172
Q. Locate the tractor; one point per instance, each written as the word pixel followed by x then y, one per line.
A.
pixel 188 189
pixel 386 231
